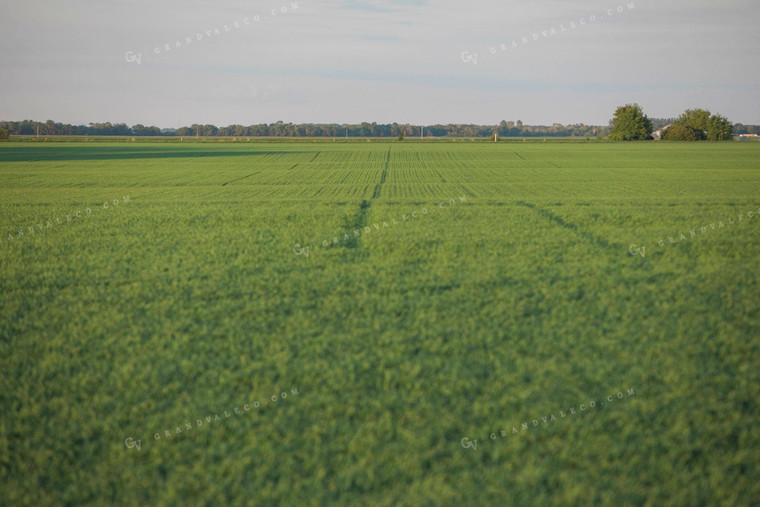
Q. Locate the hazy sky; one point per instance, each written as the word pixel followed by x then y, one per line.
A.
pixel 347 61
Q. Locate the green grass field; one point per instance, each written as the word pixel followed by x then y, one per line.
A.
pixel 466 290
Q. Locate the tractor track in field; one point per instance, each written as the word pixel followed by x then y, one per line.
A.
pixel 518 155
pixel 244 177
pixel 379 186
pixel 360 219
pixel 309 162
pixel 601 242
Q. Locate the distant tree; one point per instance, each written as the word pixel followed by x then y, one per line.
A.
pixel 690 126
pixel 699 125
pixel 719 128
pixel 121 129
pixel 276 129
pixel 141 130
pixel 401 136
pixel 4 134
pixel 239 130
pixel 697 119
pixel 630 124
pixel 28 127
pixel 681 132
pixel 208 130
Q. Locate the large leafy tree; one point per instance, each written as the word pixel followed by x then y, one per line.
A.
pixel 4 134
pixel 699 125
pixel 681 132
pixel 719 128
pixel 630 124
pixel 695 118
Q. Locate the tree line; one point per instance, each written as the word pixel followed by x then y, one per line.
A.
pixel 281 129
pixel 631 124
pixel 365 129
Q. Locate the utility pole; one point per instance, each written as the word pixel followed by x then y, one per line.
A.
pixel 422 132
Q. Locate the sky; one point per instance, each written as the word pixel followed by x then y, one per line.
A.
pixel 349 61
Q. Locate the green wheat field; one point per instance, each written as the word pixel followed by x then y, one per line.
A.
pixel 382 323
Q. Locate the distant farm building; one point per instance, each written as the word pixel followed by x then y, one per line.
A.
pixel 659 133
